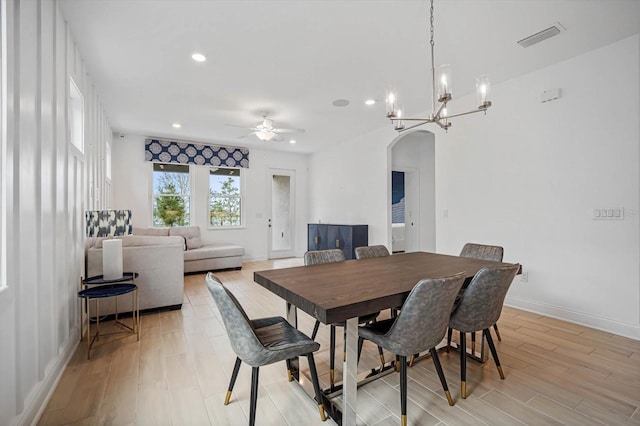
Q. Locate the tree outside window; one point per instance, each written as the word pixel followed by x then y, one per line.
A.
pixel 171 194
pixel 224 197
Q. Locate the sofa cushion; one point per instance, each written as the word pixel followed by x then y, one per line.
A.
pixel 212 251
pixel 193 243
pixel 191 235
pixel 144 240
pixel 157 232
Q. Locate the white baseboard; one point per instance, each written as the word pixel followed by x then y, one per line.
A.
pixel 593 321
pixel 38 399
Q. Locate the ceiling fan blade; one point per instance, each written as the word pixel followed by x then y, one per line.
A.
pixel 237 125
pixel 289 130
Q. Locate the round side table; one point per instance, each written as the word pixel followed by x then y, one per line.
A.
pixel 97 288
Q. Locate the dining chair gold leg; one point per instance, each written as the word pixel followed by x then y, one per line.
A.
pixel 473 343
pixel 234 376
pixel 463 365
pixel 412 358
pixel 494 353
pixel 495 328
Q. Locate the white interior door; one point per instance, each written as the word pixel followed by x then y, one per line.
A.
pixel 412 210
pixel 281 219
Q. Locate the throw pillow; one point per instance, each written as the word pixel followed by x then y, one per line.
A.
pixel 194 243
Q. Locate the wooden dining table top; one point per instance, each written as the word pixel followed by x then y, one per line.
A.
pixel 334 292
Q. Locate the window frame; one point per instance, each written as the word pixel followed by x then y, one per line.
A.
pixel 74 110
pixel 187 196
pixel 107 160
pixel 3 145
pixel 240 198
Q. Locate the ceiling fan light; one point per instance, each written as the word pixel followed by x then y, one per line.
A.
pixel 265 135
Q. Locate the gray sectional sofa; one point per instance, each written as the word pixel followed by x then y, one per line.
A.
pixel 160 267
pixel 161 256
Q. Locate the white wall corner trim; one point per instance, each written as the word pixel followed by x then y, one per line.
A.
pixel 589 320
pixel 41 393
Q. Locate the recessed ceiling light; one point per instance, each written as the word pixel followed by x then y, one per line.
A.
pixel 176 125
pixel 370 102
pixel 341 102
pixel 292 141
pixel 198 57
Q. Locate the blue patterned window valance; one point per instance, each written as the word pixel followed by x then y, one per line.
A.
pixel 166 151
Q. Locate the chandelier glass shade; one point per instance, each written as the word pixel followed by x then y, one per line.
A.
pixel 441 89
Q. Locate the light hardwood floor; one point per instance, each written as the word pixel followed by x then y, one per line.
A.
pixel 556 373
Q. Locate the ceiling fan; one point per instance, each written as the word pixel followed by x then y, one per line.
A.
pixel 265 131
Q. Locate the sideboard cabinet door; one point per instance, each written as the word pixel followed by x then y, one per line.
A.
pixel 343 237
pixel 317 236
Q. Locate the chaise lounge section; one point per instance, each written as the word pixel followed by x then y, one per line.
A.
pixel 200 257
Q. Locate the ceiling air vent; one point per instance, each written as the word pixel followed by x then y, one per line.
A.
pixel 553 30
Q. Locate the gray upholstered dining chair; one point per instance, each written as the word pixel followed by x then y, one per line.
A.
pixel 318 257
pixel 368 252
pixel 482 252
pixel 260 342
pixel 480 308
pixel 419 326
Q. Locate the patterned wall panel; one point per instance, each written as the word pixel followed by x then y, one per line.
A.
pixel 166 151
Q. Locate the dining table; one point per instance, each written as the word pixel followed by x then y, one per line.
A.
pixel 343 291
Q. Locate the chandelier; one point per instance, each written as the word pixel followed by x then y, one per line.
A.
pixel 441 79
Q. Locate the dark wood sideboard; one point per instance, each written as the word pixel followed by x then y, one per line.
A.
pixel 324 236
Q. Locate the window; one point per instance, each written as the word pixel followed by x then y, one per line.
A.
pixel 225 198
pixel 76 116
pixel 171 194
pixel 107 160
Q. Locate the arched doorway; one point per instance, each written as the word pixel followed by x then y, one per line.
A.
pixel 412 157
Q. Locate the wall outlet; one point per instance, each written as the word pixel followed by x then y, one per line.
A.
pixel 524 277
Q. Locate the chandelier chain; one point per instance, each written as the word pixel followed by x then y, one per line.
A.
pixel 439 115
pixel 433 69
pixel 432 30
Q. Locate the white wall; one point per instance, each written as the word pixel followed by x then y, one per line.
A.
pixel 350 184
pixel 528 176
pixel 132 189
pixel 47 191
